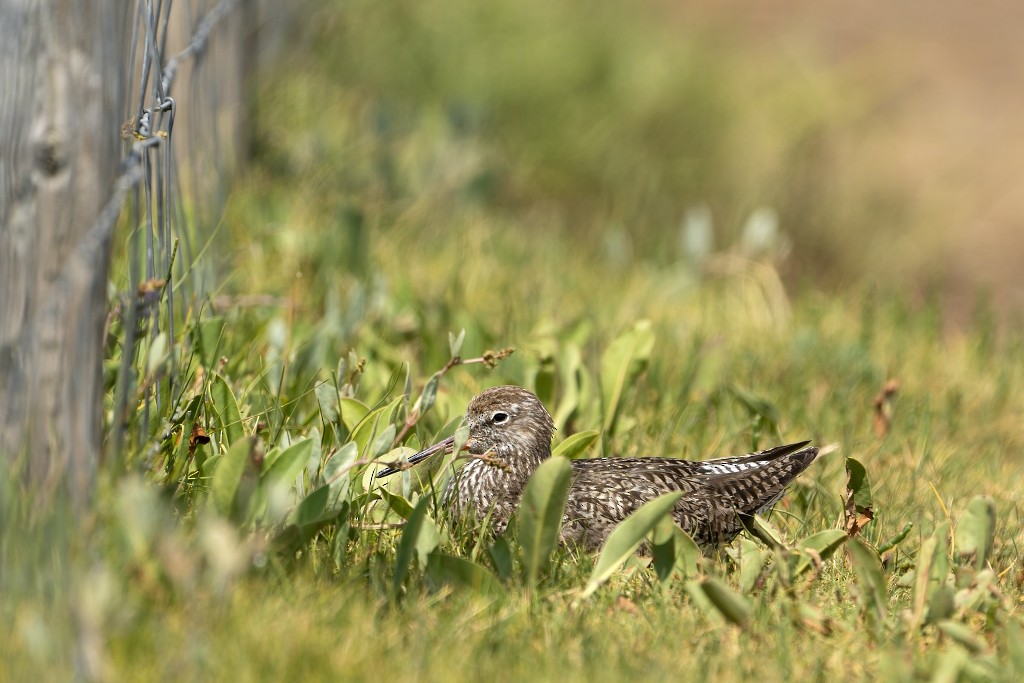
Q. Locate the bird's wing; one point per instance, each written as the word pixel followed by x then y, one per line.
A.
pixel 616 487
pixel 747 484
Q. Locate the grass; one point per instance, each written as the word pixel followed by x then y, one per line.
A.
pixel 382 214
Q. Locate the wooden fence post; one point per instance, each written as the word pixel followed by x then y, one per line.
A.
pixel 60 79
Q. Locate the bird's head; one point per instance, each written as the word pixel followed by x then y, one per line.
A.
pixel 509 421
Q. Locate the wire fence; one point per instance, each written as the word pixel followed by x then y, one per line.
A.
pixel 174 74
pixel 160 249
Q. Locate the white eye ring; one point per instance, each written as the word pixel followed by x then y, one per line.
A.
pixel 499 417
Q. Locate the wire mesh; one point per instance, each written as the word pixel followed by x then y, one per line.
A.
pixel 174 170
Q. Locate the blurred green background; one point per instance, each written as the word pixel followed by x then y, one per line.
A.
pixel 852 144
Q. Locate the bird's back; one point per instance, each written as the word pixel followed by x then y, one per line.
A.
pixel 716 493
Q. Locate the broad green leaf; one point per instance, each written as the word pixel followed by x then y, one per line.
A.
pixel 688 553
pixel 1015 645
pixel 370 431
pixel 976 530
pixel 419 537
pixel 227 410
pixel 763 530
pixel 322 505
pixel 673 550
pixel 663 549
pixel 382 442
pixel 461 437
pixel 352 412
pixel 540 514
pixel 570 363
pixel 752 560
pixel 337 466
pixel 622 362
pixel 979 593
pixel 858 508
pixel 941 602
pixel 455 342
pixel 949 667
pixel 871 587
pixel 208 336
pixel 210 465
pixel 576 445
pixel 279 477
pixel 229 473
pixel 317 510
pixel 626 538
pixel 397 503
pixel 429 395
pixel 696 592
pixel 823 543
pixel 858 484
pixel 157 354
pixel 289 464
pixel 327 399
pixel 734 607
pixel 501 555
pixel 459 572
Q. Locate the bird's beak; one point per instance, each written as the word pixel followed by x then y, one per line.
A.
pixel 439 447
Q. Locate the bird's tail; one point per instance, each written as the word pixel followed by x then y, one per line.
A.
pixel 754 485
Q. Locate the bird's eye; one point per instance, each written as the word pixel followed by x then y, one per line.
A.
pixel 499 418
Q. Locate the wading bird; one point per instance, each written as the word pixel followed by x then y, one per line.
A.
pixel 510 434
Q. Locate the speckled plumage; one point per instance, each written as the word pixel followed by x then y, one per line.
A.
pixel 511 431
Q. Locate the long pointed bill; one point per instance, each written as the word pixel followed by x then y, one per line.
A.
pixel 401 465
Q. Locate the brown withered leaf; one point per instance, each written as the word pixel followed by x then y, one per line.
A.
pixel 857 520
pixel 858 508
pixel 151 286
pixel 196 438
pixel 626 605
pixel 883 408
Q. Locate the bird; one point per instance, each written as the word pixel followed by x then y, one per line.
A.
pixel 510 434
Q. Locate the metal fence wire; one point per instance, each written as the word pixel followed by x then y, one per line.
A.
pixel 161 246
pixel 174 74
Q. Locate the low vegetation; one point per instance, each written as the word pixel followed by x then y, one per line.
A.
pixel 380 264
